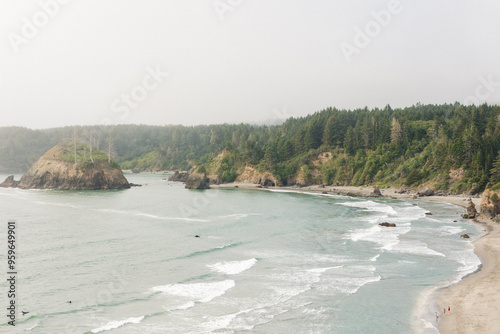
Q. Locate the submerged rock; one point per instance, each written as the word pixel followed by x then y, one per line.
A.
pixel 386 224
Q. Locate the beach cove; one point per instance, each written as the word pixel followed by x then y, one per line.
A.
pixel 474 301
pixel 267 260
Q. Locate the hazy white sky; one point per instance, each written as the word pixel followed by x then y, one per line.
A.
pixel 66 62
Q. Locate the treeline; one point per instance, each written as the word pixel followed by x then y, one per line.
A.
pixel 410 146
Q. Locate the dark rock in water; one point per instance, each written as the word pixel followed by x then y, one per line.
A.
pixel 197 181
pixel 386 224
pixel 466 236
pixel 324 192
pixel 56 170
pixel 197 236
pixel 135 185
pixel 428 213
pixel 471 211
pixel 236 186
pixel 9 182
pixel 426 192
pixel 179 177
pixel 454 221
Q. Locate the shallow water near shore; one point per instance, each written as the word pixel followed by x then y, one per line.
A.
pixel 265 261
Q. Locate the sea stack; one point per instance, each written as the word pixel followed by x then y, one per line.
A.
pixel 56 169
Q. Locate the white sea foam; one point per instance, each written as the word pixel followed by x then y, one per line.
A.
pixel 116 324
pixel 469 262
pixel 240 215
pixel 424 313
pixel 185 306
pixel 64 205
pixel 169 218
pixel 351 285
pixel 322 270
pixel 217 323
pixel 375 258
pixel 113 211
pixel 414 247
pixel 450 230
pixel 387 238
pixel 232 267
pixel 148 215
pixel 371 206
pixel 202 292
pixel 30 328
pixel 303 193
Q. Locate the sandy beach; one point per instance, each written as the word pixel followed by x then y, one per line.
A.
pixel 474 301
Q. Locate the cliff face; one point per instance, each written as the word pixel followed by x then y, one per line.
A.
pixel 490 203
pixel 251 175
pixel 197 180
pixel 54 171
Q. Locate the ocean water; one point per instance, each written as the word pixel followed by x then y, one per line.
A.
pixel 264 262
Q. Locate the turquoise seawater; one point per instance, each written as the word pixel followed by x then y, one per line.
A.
pixel 265 261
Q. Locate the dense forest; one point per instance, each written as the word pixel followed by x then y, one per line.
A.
pixel 450 147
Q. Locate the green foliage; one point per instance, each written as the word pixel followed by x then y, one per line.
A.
pixel 387 146
pixel 413 178
pixel 201 169
pixel 494 197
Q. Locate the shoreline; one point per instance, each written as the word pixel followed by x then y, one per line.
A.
pixel 475 299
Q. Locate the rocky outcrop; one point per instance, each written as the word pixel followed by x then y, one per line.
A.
pixel 465 236
pixel 426 192
pixel 385 224
pixel 9 182
pixel 471 211
pixel 490 204
pixel 179 177
pixel 54 171
pixel 197 180
pixel 251 175
pixel 376 192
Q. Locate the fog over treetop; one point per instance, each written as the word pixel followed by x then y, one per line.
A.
pixel 205 62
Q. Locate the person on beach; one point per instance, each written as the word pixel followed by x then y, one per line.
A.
pixel 437 317
pixel 448 309
pixel 444 311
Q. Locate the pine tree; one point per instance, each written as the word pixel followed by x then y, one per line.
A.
pixel 396 131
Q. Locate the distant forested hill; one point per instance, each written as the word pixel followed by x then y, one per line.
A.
pixel 450 146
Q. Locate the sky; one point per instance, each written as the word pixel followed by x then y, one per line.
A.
pixel 190 62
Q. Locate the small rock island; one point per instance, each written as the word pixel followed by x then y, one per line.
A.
pixel 72 167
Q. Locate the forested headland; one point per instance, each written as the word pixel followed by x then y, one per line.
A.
pixel 450 147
